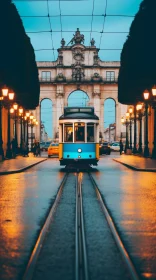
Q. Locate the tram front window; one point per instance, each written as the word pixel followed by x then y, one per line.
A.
pixel 90 132
pixel 79 132
pixel 68 133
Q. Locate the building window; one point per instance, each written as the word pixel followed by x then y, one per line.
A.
pixel 110 75
pixel 46 75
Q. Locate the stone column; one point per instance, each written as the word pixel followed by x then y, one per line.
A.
pixel 118 121
pixel 59 107
pixel 97 104
pixel 54 117
pixel 96 100
pixel 37 128
pixel 101 128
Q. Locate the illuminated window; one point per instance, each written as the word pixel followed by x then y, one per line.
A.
pixel 68 132
pixel 90 132
pixel 79 132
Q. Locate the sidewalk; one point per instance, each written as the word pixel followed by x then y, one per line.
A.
pixel 137 163
pixel 19 164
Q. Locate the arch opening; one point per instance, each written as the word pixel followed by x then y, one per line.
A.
pixel 46 130
pixel 109 120
pixel 78 98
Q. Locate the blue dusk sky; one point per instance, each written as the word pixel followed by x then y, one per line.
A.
pixel 46 32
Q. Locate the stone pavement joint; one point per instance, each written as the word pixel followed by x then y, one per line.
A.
pixel 19 164
pixel 137 163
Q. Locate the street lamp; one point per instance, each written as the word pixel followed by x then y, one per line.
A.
pixel 15 107
pixel 154 107
pixel 27 114
pixel 20 111
pixel 31 117
pixel 126 123
pixel 9 151
pixel 146 97
pixel 130 125
pixel 10 96
pixel 135 131
pixel 139 108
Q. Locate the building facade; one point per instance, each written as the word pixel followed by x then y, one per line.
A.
pixel 78 67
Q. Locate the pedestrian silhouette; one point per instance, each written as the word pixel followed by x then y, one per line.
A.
pixel 121 147
pixel 13 146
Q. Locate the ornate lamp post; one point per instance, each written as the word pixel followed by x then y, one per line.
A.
pixel 130 125
pixel 135 131
pixel 154 107
pixel 15 107
pixel 146 97
pixel 126 123
pixel 150 99
pixel 9 151
pixel 31 117
pixel 20 110
pixel 27 114
pixel 10 96
pixel 139 108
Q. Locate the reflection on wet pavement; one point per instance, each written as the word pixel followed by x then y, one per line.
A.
pixel 26 197
pixel 131 199
pixel 24 201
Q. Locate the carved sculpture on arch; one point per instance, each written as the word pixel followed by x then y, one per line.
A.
pixel 96 94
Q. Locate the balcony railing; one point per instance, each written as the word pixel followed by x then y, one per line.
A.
pixel 82 81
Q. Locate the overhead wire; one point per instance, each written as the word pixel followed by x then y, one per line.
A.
pixel 84 31
pixel 91 28
pixel 104 19
pixel 60 18
pixel 92 15
pixel 100 49
pixel 77 15
pixel 50 29
pixel 69 31
pixel 92 21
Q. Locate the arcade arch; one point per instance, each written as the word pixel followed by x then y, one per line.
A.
pixel 78 98
pixel 78 68
pixel 46 117
pixel 109 112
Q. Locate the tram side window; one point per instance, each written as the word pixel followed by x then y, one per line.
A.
pixel 79 132
pixel 68 133
pixel 90 132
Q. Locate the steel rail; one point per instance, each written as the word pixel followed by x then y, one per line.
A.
pixel 81 263
pixel 28 275
pixel 120 245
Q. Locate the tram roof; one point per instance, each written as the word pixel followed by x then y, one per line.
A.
pixel 79 113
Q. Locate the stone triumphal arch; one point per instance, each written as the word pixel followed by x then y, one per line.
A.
pixel 78 67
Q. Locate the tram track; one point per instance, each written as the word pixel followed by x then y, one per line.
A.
pixel 81 263
pixel 82 270
pixel 128 262
pixel 28 275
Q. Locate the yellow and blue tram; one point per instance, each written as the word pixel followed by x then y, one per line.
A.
pixel 78 136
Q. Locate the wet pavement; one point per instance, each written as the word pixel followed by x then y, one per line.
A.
pixel 56 258
pixel 137 163
pixel 19 164
pixel 131 200
pixel 25 199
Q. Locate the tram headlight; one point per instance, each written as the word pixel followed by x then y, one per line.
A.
pixel 79 150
